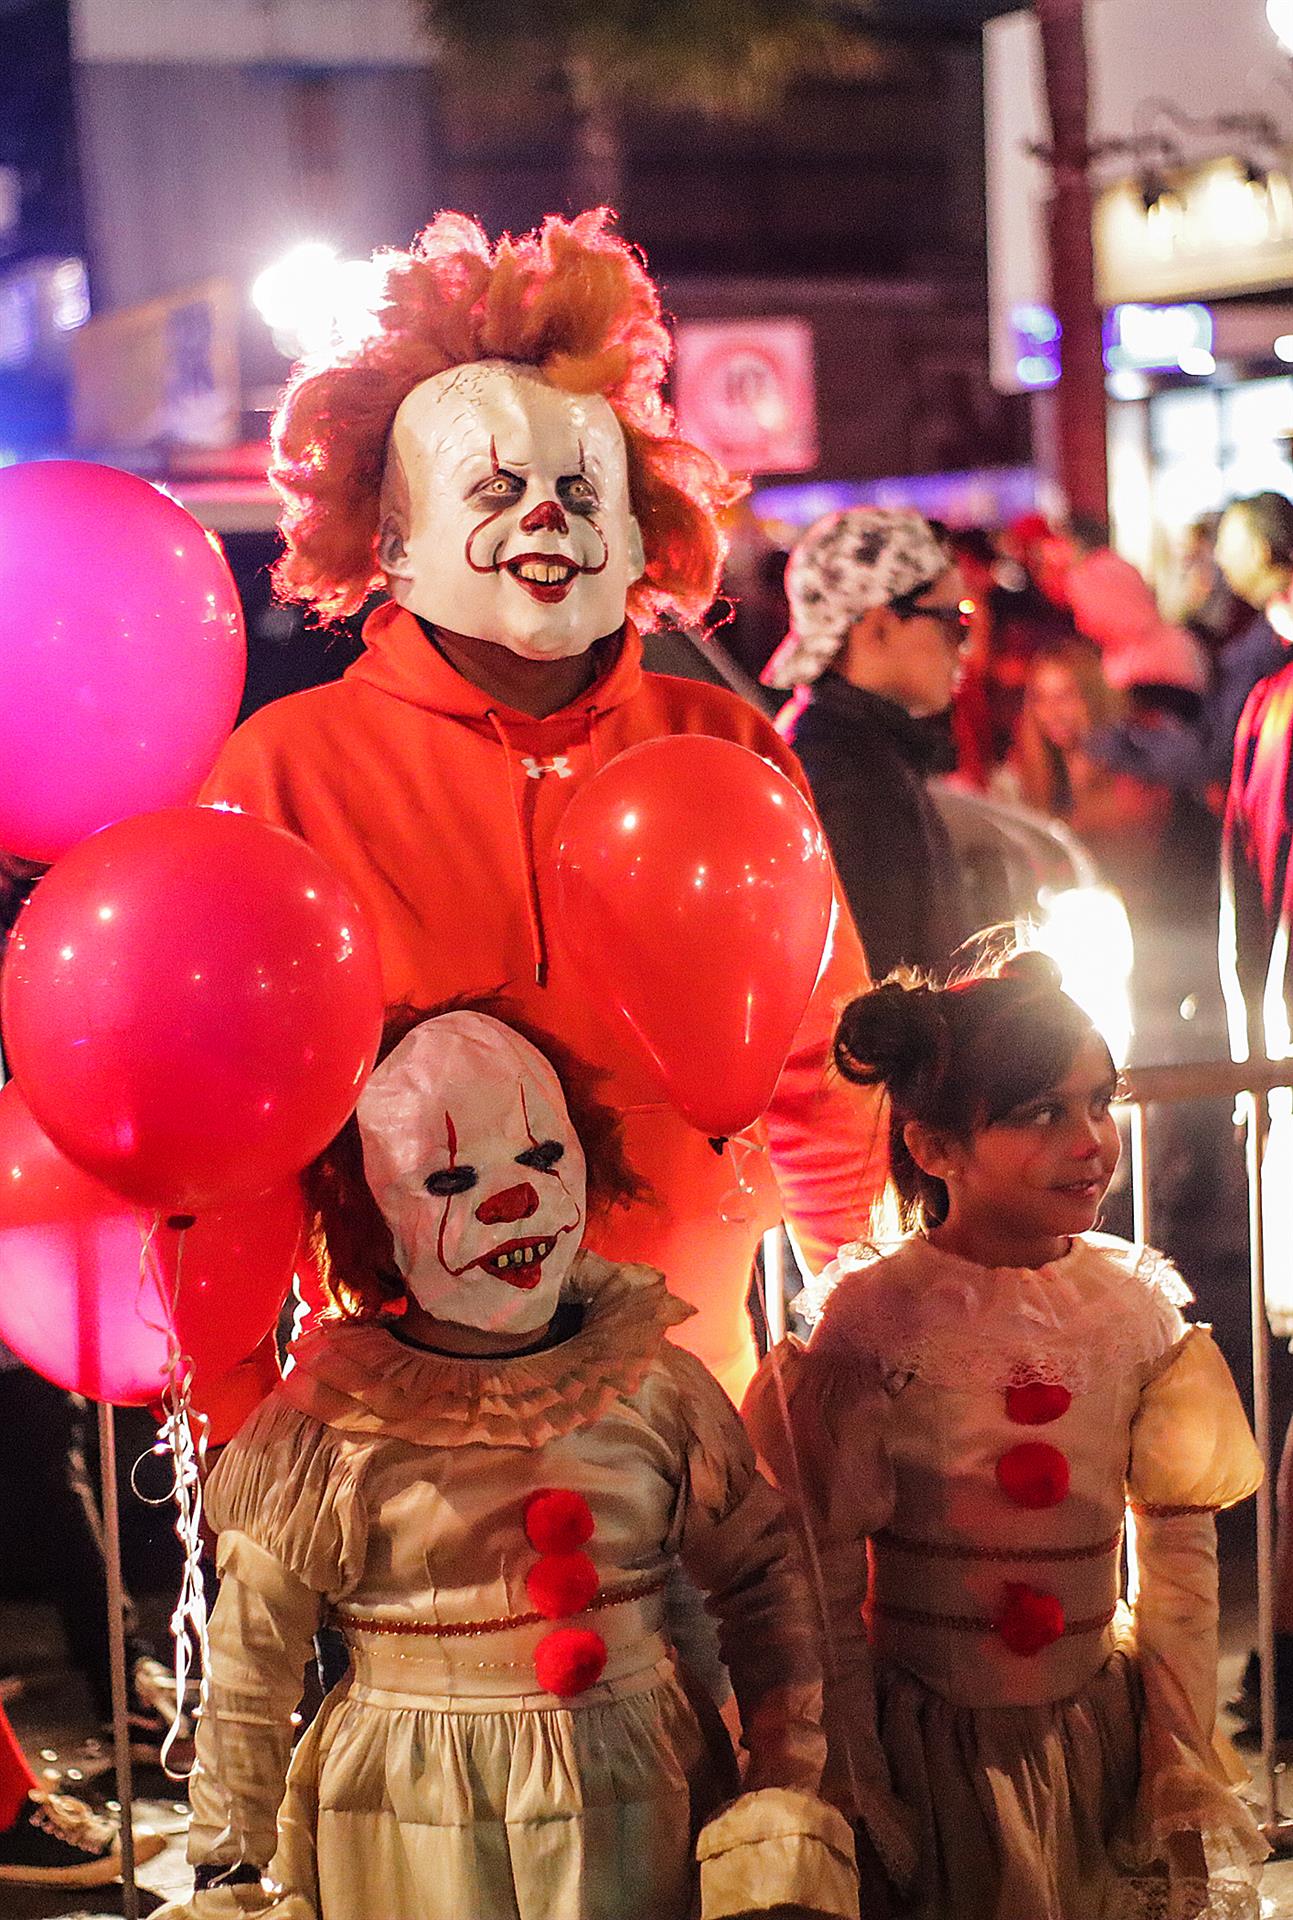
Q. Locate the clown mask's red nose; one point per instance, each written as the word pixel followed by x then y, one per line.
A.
pixel 547 517
pixel 514 1203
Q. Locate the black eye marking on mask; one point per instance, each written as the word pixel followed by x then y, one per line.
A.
pixel 450 1180
pixel 543 1157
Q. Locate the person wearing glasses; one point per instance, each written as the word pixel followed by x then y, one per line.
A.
pixel 879 621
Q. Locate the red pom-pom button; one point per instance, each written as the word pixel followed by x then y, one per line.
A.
pixel 560 1584
pixel 1035 1403
pixel 1029 1620
pixel 1034 1475
pixel 558 1520
pixel 569 1660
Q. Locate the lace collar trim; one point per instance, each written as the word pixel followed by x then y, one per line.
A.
pixel 919 1311
pixel 357 1378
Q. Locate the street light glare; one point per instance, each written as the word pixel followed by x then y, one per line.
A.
pixel 313 302
pixel 1279 14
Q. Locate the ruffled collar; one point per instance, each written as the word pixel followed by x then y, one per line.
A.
pixel 357 1378
pixel 919 1311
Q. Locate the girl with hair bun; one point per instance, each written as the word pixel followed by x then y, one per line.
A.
pixel 984 1409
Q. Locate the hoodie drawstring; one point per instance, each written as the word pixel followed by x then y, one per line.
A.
pixel 524 838
pixel 590 739
pixel 525 851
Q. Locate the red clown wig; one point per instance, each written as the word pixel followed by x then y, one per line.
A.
pixel 571 300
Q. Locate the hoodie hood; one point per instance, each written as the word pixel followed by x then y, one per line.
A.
pixel 1114 606
pixel 399 659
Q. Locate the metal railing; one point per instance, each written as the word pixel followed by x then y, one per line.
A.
pixel 1247 1083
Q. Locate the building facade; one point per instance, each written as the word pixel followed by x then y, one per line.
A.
pixel 1191 125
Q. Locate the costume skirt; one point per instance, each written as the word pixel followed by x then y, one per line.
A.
pixel 1023 1811
pixel 442 1807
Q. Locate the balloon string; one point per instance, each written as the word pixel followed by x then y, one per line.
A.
pixel 182 1435
pixel 735 1206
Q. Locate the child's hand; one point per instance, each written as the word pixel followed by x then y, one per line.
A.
pixel 237 1903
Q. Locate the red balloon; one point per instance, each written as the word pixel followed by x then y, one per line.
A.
pixel 191 1004
pixel 85 1305
pixel 122 653
pixel 694 894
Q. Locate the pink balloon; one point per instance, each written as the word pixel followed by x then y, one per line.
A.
pixel 122 654
pixel 192 1002
pixel 694 896
pixel 87 1305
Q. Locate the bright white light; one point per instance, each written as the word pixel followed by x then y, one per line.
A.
pixel 1147 337
pixel 1037 370
pixel 69 296
pixel 1126 384
pixel 313 303
pixel 1087 934
pixel 1279 14
pixel 1197 361
pixel 1283 348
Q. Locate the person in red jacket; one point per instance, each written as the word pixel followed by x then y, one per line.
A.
pixel 496 453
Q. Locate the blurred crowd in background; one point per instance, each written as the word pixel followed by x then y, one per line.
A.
pixel 1087 696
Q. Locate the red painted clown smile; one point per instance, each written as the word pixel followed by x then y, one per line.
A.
pixel 546 577
pixel 519 1262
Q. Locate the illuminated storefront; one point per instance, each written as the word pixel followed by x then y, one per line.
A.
pixel 1196 265
pixel 1193 234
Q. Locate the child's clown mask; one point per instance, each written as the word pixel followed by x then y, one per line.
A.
pixel 505 511
pixel 472 1159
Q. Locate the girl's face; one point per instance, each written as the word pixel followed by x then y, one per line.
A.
pixel 1020 1188
pixel 1058 706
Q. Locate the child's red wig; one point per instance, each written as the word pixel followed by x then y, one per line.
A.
pixel 572 300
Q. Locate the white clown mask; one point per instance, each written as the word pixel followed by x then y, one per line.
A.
pixel 505 511
pixel 472 1159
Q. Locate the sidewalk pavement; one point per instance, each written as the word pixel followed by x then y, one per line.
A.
pixel 52 1719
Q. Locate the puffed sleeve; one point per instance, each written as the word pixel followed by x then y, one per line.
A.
pixel 1191 1454
pixel 292 1535
pixel 818 1422
pixel 779 1844
pixel 285 1484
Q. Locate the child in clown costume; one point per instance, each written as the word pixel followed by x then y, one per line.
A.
pixel 981 1407
pixel 485 1491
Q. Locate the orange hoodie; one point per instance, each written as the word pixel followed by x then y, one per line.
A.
pixel 440 809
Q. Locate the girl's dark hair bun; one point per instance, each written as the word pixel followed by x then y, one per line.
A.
pixel 889 1036
pixel 959 1057
pixel 1032 968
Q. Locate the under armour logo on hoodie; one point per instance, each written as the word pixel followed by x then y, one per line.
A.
pixel 559 764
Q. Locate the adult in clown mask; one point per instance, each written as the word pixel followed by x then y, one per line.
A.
pixel 497 457
pixel 482 1466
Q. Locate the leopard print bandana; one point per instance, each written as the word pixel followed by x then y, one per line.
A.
pixel 846 563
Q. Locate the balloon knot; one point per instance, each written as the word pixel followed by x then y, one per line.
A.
pixel 180 1222
pixel 718 1141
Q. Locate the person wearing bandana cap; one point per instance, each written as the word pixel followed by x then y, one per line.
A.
pixel 877 628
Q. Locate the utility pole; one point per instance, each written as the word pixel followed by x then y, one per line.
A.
pixel 1080 397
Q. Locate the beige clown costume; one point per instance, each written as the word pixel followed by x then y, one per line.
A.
pixel 513 1742
pixel 981 1435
